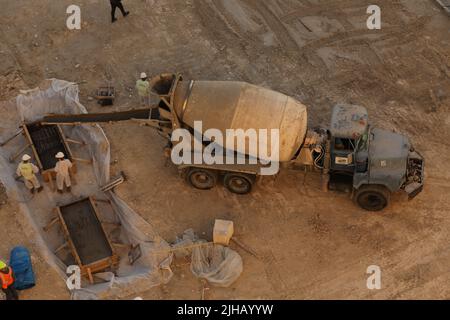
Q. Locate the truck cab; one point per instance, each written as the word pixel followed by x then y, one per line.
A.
pixel 371 162
pixel 348 145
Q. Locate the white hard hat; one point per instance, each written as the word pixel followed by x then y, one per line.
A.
pixel 59 155
pixel 143 75
pixel 26 157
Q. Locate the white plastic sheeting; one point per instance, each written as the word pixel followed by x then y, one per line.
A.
pixel 153 267
pixel 219 265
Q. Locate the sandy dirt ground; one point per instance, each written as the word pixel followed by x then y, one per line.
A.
pixel 311 245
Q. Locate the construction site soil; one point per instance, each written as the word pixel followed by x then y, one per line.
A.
pixel 310 244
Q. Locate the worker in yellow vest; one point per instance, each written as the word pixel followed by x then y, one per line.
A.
pixel 28 171
pixel 7 282
pixel 143 89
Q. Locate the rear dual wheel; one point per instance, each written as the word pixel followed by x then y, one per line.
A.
pixel 238 183
pixel 202 179
pixel 205 179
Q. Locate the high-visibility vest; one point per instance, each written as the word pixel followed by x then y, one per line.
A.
pixel 7 279
pixel 143 88
pixel 26 169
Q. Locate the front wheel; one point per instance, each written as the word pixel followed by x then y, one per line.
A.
pixel 238 183
pixel 372 197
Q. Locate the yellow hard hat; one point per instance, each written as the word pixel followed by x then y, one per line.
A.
pixel 2 265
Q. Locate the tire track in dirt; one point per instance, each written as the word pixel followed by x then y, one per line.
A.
pixel 396 32
pixel 217 12
pixel 336 9
pixel 275 25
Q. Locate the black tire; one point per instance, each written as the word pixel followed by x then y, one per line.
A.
pixel 238 183
pixel 372 197
pixel 202 179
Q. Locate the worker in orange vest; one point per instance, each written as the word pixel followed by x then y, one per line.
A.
pixel 7 281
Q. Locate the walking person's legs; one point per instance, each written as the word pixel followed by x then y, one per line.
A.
pixel 29 185
pixel 122 9
pixel 36 184
pixel 59 183
pixel 113 12
pixel 144 101
pixel 117 4
pixel 68 182
pixel 11 293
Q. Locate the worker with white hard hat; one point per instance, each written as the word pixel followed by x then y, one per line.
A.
pixel 28 171
pixel 63 169
pixel 143 88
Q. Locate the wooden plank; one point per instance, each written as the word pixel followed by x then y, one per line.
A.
pixel 46 123
pixel 101 200
pixel 69 238
pixel 82 160
pixel 18 153
pixel 12 137
pixel 120 245
pixel 94 206
pixel 91 278
pixel 51 223
pixel 101 265
pixel 64 245
pixel 36 155
pixel 70 155
pixel 75 141
pixel 245 247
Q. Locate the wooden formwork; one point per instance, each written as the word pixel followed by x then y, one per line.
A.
pixel 85 237
pixel 45 142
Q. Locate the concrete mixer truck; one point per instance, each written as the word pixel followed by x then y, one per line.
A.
pixel 197 117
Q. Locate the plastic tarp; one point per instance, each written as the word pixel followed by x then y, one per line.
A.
pixel 219 265
pixel 20 262
pixel 153 267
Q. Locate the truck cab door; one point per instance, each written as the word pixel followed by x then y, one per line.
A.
pixel 343 154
